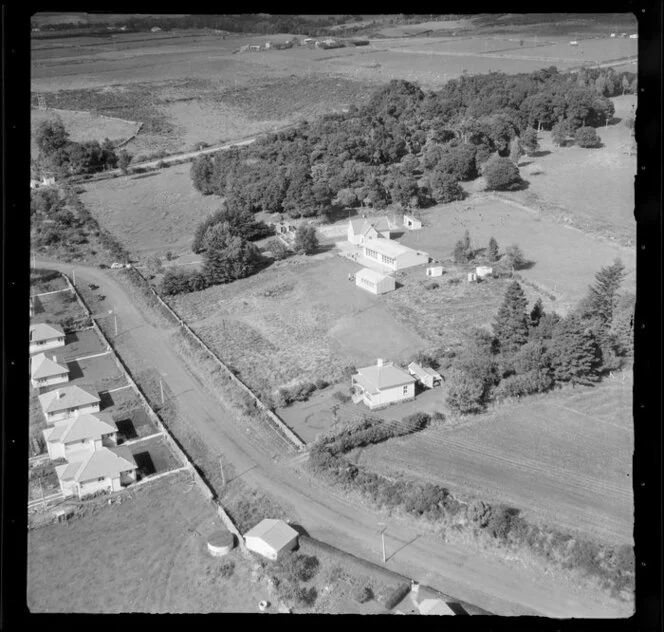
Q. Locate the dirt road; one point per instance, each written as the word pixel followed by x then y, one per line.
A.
pixel 490 583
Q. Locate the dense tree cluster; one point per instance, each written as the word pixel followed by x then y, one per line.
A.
pixel 405 147
pixel 66 157
pixel 531 351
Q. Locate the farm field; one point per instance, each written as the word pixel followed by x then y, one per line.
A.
pixel 157 540
pixel 546 456
pixel 564 260
pixel 594 187
pixel 83 126
pixel 150 213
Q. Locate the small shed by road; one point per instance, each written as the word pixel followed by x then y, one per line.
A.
pixel 270 538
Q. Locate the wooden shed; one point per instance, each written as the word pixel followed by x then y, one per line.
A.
pixel 374 282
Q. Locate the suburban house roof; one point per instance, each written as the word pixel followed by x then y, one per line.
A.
pixel 43 367
pixel 68 397
pixel 389 248
pixel 423 371
pixel 43 331
pixel 275 533
pixel 434 606
pixel 363 224
pixel 382 376
pixel 82 427
pixel 371 275
pixel 101 463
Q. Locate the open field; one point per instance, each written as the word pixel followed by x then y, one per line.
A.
pixel 153 559
pixel 150 213
pixel 564 260
pixel 55 308
pixel 594 187
pixel 83 126
pixel 546 456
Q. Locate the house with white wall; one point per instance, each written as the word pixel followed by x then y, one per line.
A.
pixel 46 371
pixel 411 222
pixel 382 384
pixel 68 401
pixel 102 470
pixel 44 337
pixel 271 538
pixel 392 255
pixel 80 436
pixel 374 282
pixel 365 229
pixel 425 375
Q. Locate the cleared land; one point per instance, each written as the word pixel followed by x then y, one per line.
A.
pixel 150 213
pixel 593 187
pixel 153 559
pixel 546 456
pixel 83 126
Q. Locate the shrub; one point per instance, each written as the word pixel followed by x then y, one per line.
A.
pixel 321 384
pixel 226 569
pixel 349 370
pixel 277 248
pixel 342 397
pixel 465 393
pixel 414 422
pixel 432 286
pixel 501 174
pixel 364 593
pixel 169 255
pixel 397 596
pixel 299 567
pixel 502 520
pixel 587 137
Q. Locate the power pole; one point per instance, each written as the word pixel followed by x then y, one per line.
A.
pixel 115 318
pixel 73 275
pixel 221 469
pixel 382 537
pixel 161 388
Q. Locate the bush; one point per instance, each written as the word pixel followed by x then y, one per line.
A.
pixel 226 569
pixel 364 593
pixel 169 255
pixel 299 567
pixel 342 397
pixel 432 286
pixel 321 384
pixel 397 596
pixel 501 174
pixel 277 248
pixel 587 137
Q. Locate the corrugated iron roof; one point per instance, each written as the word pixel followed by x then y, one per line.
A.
pixel 43 331
pixel 275 533
pixel 70 396
pixel 83 427
pixel 42 367
pixel 105 463
pixel 385 376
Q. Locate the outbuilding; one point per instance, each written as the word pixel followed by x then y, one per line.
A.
pixel 412 223
pixel 374 282
pixel 271 538
pixel 483 271
pixel 435 271
pixel 425 375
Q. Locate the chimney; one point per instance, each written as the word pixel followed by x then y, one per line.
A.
pixel 379 362
pixel 58 394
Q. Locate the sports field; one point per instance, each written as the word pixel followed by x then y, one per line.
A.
pixel 564 458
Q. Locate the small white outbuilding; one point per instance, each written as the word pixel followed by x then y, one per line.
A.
pixel 270 538
pixel 374 282
pixel 411 222
pixel 435 271
pixel 482 271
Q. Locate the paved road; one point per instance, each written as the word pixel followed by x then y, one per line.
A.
pixel 468 576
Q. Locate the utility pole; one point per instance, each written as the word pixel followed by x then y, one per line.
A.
pixel 73 275
pixel 115 319
pixel 221 469
pixel 41 490
pixel 161 388
pixel 382 537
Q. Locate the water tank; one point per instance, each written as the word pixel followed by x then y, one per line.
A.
pixel 220 543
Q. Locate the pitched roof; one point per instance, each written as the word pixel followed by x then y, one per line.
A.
pixel 104 462
pixel 434 606
pixel 44 331
pixel 83 427
pixel 371 275
pixel 423 371
pixel 390 248
pixel 363 224
pixel 42 367
pixel 70 396
pixel 275 533
pixel 379 377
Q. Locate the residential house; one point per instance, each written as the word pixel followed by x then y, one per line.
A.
pixel 45 371
pixel 69 401
pixel 271 538
pixel 374 282
pixel 393 255
pixel 411 222
pixel 365 229
pixel 383 384
pixel 435 606
pixel 44 337
pixel 44 181
pixel 80 436
pixel 102 470
pixel 435 271
pixel 425 375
